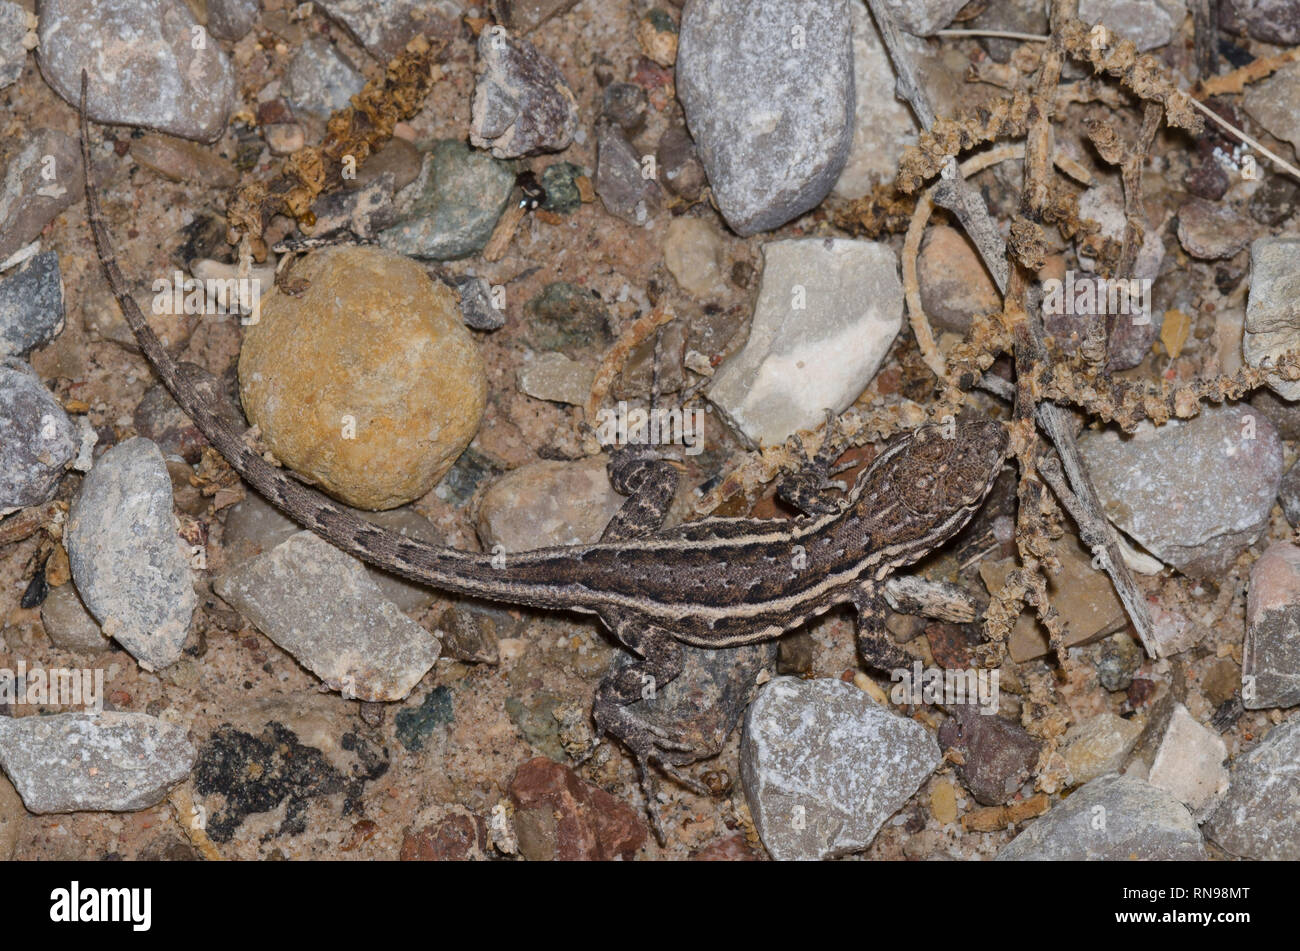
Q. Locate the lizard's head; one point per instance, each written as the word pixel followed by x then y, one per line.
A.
pixel 927 484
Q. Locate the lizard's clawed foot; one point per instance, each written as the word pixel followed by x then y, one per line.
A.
pixel 651 748
pixel 808 488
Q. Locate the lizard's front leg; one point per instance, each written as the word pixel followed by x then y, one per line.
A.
pixel 659 663
pixel 874 645
pixel 649 481
pixel 809 489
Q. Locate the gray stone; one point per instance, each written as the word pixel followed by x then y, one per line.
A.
pixel 1273 21
pixel 1189 763
pixel 1260 816
pixel 384 27
pixel 882 125
pixel 824 766
pixel 1098 745
pixel 1014 16
pixel 553 376
pixel 31 306
pixel 1193 492
pixel 320 605
pixel 1270 664
pixel 827 312
pixel 525 15
pixel 1114 818
pixel 37 440
pixel 1210 230
pixel 450 210
pixel 69 625
pixel 1288 493
pixel 41 177
pixel 923 17
pixel 1273 308
pixel 625 105
pixel 13 52
pixel 144 68
pixel 1146 22
pixel 622 188
pixel 130 566
pixel 1275 103
pixel 105 762
pixel 767 88
pixel 231 20
pixel 548 503
pixel 476 304
pixel 320 80
pixel 522 103
pixel 680 169
pixel 254 526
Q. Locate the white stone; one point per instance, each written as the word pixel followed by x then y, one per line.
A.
pixel 1189 764
pixel 827 312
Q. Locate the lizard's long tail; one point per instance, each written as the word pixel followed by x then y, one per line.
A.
pixel 447 568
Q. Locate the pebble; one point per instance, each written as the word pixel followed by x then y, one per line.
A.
pixel 625 105
pixel 1211 230
pixel 923 17
pixel 623 189
pixel 567 317
pixel 183 161
pixel 1275 103
pixel 476 304
pixel 656 33
pixel 1276 200
pixel 1115 818
pixel 827 312
pixel 384 27
pixel 548 503
pixel 144 67
pixel 1272 314
pixel 1258 818
pixel 1288 494
pixel 1189 764
pixel 13 51
pixel 1118 658
pixel 998 754
pixel 1273 21
pixel 320 605
pixel 693 255
pixel 1099 745
pixel 398 158
pixel 31 305
pixel 522 103
pixel 339 378
pixel 1283 414
pixel 1271 656
pixel 768 94
pixel 320 80
pixel 680 169
pixel 955 287
pixel 824 766
pixel 458 838
pixel 472 633
pixel 1146 22
pixel 231 20
pixel 559 817
pixel 1193 492
pixel 553 376
pixel 523 16
pixel 105 762
pixel 882 124
pixel 41 177
pixel 560 182
pixel 450 210
pixel 363 212
pixel 131 568
pixel 1015 16
pixel 254 526
pixel 37 440
pixel 69 625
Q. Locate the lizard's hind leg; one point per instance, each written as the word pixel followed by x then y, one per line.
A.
pixel 659 661
pixel 874 645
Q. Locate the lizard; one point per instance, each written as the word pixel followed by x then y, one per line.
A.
pixel 714 582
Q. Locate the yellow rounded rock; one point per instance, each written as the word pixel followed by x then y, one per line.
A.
pixel 368 383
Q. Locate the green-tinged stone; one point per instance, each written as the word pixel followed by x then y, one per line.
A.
pixel 560 183
pixel 565 317
pixel 537 722
pixel 415 725
pixel 460 195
